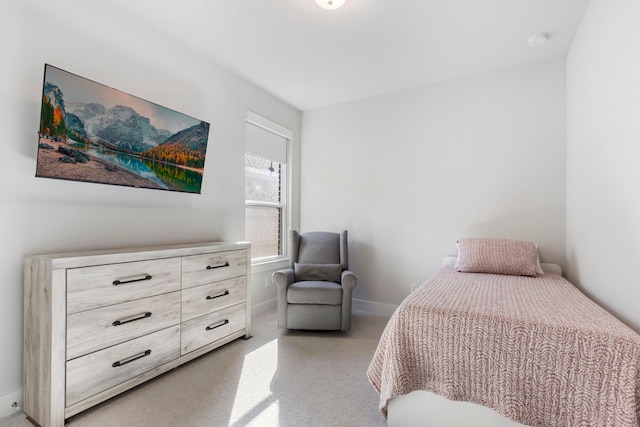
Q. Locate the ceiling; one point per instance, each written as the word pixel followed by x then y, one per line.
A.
pixel 312 57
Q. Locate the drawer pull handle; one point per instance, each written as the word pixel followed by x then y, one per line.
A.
pixel 131 359
pixel 224 294
pixel 217 325
pixel 213 267
pixel 132 319
pixel 124 282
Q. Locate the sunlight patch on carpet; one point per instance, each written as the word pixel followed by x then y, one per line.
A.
pixel 255 404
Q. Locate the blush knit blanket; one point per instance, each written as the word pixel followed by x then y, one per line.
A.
pixel 535 349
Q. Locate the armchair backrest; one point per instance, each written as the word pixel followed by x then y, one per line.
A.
pixel 319 247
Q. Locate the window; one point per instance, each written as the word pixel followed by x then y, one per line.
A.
pixel 265 189
pixel 265 207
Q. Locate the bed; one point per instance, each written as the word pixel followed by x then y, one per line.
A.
pixel 532 348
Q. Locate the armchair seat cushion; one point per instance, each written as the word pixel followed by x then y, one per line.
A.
pixel 314 292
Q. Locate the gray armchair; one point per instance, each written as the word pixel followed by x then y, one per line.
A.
pixel 315 292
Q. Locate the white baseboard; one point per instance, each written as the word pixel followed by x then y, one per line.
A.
pixel 359 306
pixel 375 308
pixel 6 402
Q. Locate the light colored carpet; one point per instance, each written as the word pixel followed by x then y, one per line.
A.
pixel 277 378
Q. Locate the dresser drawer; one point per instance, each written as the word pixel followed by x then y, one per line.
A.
pixel 204 330
pixel 205 299
pixel 94 330
pixel 202 269
pixel 104 369
pixel 98 286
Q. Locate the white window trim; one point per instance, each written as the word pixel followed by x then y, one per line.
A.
pixel 279 261
pixel 260 265
pixel 267 124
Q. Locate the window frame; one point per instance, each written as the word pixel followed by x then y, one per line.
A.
pixel 282 205
pixel 282 260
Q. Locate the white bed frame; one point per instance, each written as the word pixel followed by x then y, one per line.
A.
pixel 426 409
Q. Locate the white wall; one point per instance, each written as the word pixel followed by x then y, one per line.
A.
pixel 603 149
pixel 410 172
pixel 97 41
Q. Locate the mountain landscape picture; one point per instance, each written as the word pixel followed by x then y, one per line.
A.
pixel 93 133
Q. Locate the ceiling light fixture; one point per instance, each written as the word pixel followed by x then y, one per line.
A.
pixel 330 4
pixel 538 39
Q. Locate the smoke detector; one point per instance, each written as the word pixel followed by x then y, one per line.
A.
pixel 538 39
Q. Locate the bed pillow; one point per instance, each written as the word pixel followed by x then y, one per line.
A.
pixel 497 256
pixel 539 269
pixel 318 272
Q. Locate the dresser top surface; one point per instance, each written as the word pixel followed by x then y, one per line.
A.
pixel 105 256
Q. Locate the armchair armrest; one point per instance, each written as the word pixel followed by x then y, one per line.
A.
pixel 348 280
pixel 283 278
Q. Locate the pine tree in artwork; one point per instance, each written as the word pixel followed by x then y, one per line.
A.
pixel 46 117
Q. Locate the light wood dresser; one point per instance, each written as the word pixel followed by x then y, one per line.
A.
pixel 99 323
